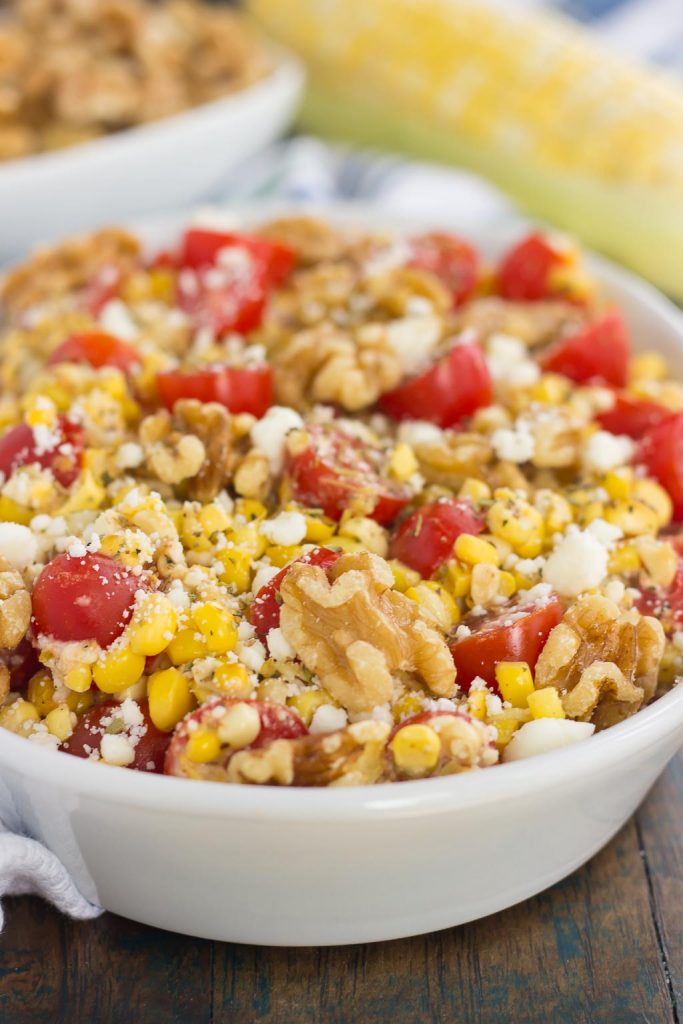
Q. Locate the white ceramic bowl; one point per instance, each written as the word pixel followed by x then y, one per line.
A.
pixel 143 170
pixel 319 867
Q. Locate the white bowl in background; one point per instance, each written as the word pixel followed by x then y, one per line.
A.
pixel 302 867
pixel 146 169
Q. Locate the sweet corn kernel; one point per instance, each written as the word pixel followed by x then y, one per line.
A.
pixel 281 555
pixel 11 512
pixel 404 576
pixel 519 523
pixel 60 722
pixel 19 716
pixel 632 516
pixel 473 550
pixel 545 703
pixel 656 497
pixel 475 490
pixel 659 559
pixel 239 726
pixel 307 703
pixel 217 627
pixel 402 462
pixel 437 602
pixel 42 414
pixel 250 509
pixel 247 538
pixel 273 689
pixel 507 584
pixel 169 698
pixel 555 509
pixel 203 746
pixel 318 528
pixel 550 389
pixel 367 532
pixel 153 625
pixel 476 704
pixel 80 702
pixel 506 726
pixel 186 645
pixel 416 749
pixel 346 544
pixel 117 669
pixel 647 366
pixel 40 692
pixel 409 704
pixel 236 569
pixel 624 559
pixel 618 482
pixel 88 494
pixel 515 682
pixel 214 519
pixel 586 514
pixel 457 578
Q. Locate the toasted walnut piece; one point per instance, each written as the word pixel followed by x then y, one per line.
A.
pixel 4 683
pixel 212 424
pixel 394 291
pixel 252 476
pixel 534 323
pixel 313 240
pixel 602 678
pixel 659 559
pixel 456 456
pixel 171 456
pixel 355 631
pixel 15 606
pixel 63 269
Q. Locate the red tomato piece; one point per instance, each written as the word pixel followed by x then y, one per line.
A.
pixel 632 416
pixel 337 470
pixel 22 662
pixel 149 743
pixel 425 539
pixel 96 348
pixel 105 286
pixel 277 723
pixel 525 272
pixel 87 597
pixel 597 354
pixel 451 259
pixel 454 387
pixel 518 633
pixel 271 260
pixel 220 300
pixel 264 613
pixel 661 452
pixel 60 451
pixel 249 389
pixel 665 603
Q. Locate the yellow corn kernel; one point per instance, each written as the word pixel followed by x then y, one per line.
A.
pixel 12 512
pixel 507 584
pixel 656 498
pixel 318 528
pixel 169 698
pixel 457 578
pixel 416 749
pixel 474 550
pixel 274 689
pixel 88 493
pixel 633 517
pixel 346 544
pixel 515 682
pixel 248 538
pixel 250 509
pixel 409 704
pixel 618 482
pixel 402 462
pixel 281 555
pixel 214 518
pixel 624 559
pixel 519 523
pixel 117 669
pixel 545 703
pixel 647 366
pixel 19 716
pixel 41 413
pixel 550 389
pixel 233 679
pixel 555 510
pixel 153 625
pixel 187 645
pixel 659 559
pixel 589 512
pixel 404 576
pixel 475 490
pixel 307 703
pixel 80 702
pixel 236 569
pixel 240 725
pixel 203 746
pixel 40 692
pixel 367 532
pixel 506 726
pixel 476 704
pixel 217 627
pixel 60 722
pixel 437 602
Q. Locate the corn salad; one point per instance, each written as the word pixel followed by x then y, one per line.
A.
pixel 310 505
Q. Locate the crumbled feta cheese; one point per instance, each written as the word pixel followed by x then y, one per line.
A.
pixel 286 528
pixel 251 654
pixel 262 576
pixel 494 704
pixel 413 338
pixel 507 360
pixel 178 596
pixel 76 548
pixel 131 713
pixel 17 545
pixel 129 456
pixel 328 718
pixel 578 563
pixel 607 533
pixel 278 645
pixel 269 433
pixel 117 749
pixel 416 432
pixel 606 451
pixel 115 318
pixel 545 734
pixel 514 445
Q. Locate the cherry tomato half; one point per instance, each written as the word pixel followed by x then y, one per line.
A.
pixel 454 387
pixel 597 354
pixel 665 603
pixel 96 348
pixel 272 260
pixel 425 539
pixel 239 390
pixel 86 597
pixel 22 663
pixel 149 743
pixel 337 471
pixel 104 286
pixel 454 261
pixel 61 451
pixel 661 452
pixel 277 723
pixel 526 271
pixel 632 416
pixel 518 633
pixel 264 613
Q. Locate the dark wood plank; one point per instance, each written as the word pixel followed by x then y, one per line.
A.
pixel 586 952
pixel 660 825
pixel 109 970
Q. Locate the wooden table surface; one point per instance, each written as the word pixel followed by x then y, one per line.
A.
pixel 603 947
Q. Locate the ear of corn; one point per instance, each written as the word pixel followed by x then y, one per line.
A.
pixel 578 135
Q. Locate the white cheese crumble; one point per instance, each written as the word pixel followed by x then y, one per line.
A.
pixel 115 319
pixel 117 749
pixel 416 432
pixel 286 528
pixel 18 545
pixel 252 654
pixel 328 718
pixel 508 362
pixel 269 433
pixel 515 444
pixel 262 576
pixel 413 338
pixel 279 646
pixel 545 734
pixel 605 451
pixel 607 533
pixel 129 456
pixel 578 563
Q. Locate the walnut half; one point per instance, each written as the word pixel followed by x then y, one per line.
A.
pixel 355 631
pixel 15 606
